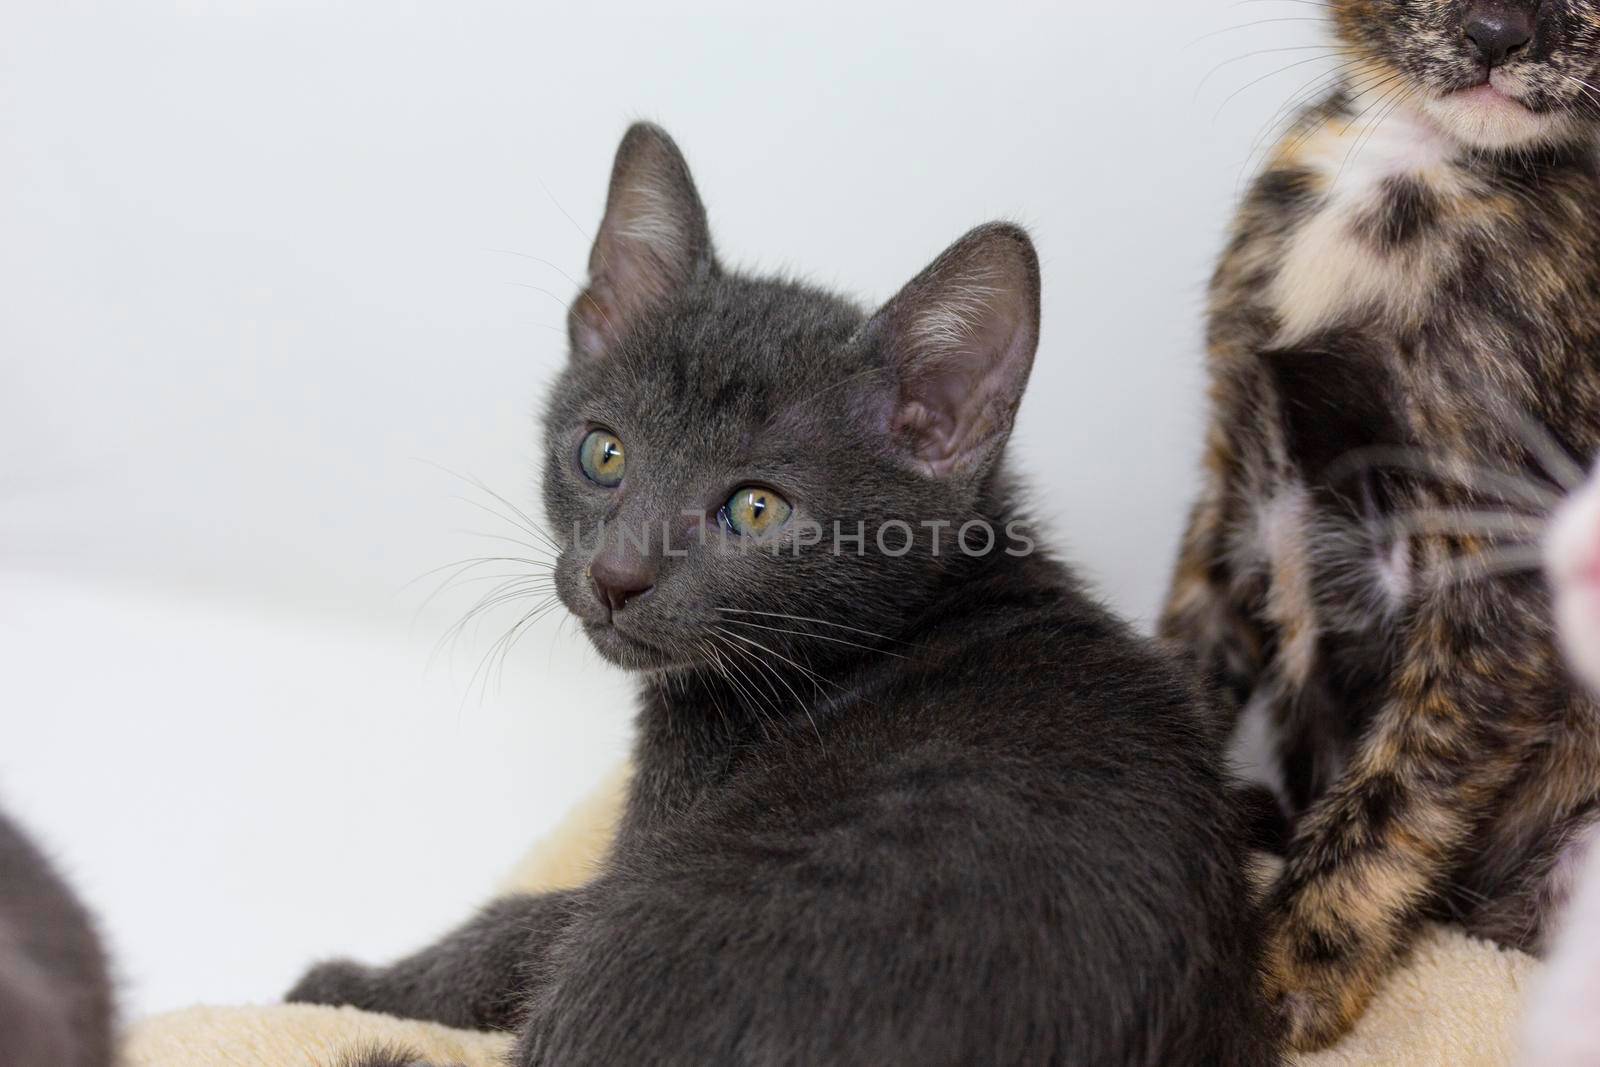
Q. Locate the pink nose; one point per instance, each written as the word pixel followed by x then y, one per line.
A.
pixel 617 581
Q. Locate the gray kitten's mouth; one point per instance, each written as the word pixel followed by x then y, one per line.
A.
pixel 629 651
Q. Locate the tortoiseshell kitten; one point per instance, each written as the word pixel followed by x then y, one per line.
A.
pixel 1413 278
pixel 892 804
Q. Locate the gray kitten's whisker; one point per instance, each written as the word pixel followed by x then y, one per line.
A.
pixel 464 567
pixel 808 618
pixel 506 577
pixel 1521 559
pixel 494 659
pixel 460 580
pixel 545 546
pixel 475 561
pixel 521 583
pixel 1451 521
pixel 448 642
pixel 484 604
pixel 588 237
pixel 1476 478
pixel 799 702
pixel 750 686
pixel 1560 467
pixel 832 386
pixel 818 637
pixel 502 537
pixel 807 671
pixel 712 656
pixel 527 522
pixel 768 669
pixel 520 630
pixel 583 290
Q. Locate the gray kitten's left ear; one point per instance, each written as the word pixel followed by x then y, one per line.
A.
pixel 653 241
pixel 960 341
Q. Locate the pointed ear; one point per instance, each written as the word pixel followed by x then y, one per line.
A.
pixel 652 242
pixel 960 340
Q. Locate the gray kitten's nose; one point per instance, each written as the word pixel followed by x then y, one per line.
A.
pixel 1498 30
pixel 617 581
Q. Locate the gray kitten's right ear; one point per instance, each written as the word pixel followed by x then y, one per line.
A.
pixel 652 242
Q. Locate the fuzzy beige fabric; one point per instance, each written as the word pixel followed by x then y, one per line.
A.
pixel 297 1035
pixel 1456 1003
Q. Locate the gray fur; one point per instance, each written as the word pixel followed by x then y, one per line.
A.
pixel 950 810
pixel 55 995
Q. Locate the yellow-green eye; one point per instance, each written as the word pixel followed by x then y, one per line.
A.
pixel 754 510
pixel 601 457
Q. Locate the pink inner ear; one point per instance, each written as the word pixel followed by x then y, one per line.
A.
pixel 626 278
pixel 931 431
pixel 953 418
pixel 961 338
pixel 592 324
pixel 652 241
pixel 949 414
pixel 961 386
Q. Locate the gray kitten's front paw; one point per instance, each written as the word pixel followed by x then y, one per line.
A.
pixel 335 982
pixel 386 1056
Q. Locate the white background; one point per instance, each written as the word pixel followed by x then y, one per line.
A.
pixel 262 267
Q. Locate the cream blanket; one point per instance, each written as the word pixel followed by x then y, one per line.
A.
pixel 1455 1004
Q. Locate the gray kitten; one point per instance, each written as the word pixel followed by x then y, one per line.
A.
pixel 903 792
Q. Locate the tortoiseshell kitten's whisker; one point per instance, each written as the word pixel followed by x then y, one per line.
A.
pixel 1253 82
pixel 1252 25
pixel 1234 60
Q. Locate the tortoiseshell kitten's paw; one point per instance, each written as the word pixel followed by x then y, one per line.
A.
pixel 335 983
pixel 1317 999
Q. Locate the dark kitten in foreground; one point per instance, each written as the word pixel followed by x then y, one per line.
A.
pixel 55 996
pixel 903 792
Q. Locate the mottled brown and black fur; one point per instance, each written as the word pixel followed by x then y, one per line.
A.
pixel 1412 281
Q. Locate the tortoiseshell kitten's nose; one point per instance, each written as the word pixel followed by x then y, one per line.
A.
pixel 1498 30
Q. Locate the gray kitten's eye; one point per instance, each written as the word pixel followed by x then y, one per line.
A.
pixel 601 458
pixel 754 510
